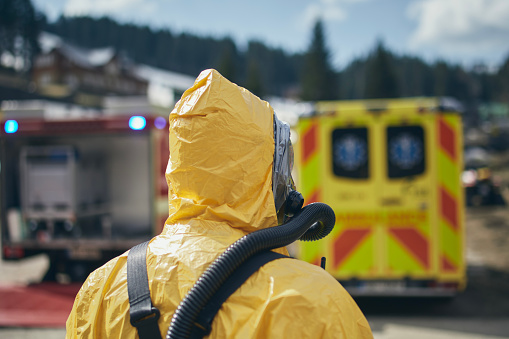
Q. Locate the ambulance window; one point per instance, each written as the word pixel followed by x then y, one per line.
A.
pixel 405 151
pixel 350 153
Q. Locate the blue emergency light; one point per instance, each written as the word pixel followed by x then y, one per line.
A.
pixel 160 122
pixel 11 126
pixel 137 122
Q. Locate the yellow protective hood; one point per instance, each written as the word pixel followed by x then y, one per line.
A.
pixel 221 155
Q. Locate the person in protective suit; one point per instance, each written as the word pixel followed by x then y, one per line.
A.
pixel 220 176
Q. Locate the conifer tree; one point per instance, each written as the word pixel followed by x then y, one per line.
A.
pixel 228 60
pixel 381 79
pixel 502 83
pixel 253 80
pixel 319 81
pixel 19 30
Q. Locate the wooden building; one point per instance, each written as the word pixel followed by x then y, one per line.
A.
pixel 86 75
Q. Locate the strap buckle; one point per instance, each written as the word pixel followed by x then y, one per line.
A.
pixel 143 319
pixel 201 327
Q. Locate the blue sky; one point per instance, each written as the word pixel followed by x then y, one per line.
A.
pixel 460 31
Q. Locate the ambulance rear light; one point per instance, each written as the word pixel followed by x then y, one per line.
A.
pixel 13 252
pixel 469 178
pixel 11 126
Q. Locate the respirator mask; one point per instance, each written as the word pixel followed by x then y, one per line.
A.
pixel 287 200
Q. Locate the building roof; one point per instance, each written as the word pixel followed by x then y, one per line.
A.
pixel 90 58
pixel 164 78
pixel 87 58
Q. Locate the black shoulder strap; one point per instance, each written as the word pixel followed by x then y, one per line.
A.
pixel 203 326
pixel 143 314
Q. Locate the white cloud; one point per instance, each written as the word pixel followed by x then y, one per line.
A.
pixel 101 7
pixel 50 8
pixel 344 1
pixel 327 10
pixel 324 11
pixel 341 1
pixel 460 26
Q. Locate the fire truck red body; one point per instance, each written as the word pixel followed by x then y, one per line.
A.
pixel 80 186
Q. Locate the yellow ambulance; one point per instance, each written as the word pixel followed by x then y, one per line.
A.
pixel 391 171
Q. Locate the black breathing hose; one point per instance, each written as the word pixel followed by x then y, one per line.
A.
pixel 313 222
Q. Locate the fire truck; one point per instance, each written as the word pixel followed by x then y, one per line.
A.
pixel 79 185
pixel 391 170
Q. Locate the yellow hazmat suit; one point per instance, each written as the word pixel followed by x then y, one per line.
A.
pixel 219 177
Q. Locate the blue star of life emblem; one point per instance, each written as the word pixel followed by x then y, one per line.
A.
pixel 350 152
pixel 405 151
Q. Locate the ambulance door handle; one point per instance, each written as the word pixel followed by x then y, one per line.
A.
pixel 391 201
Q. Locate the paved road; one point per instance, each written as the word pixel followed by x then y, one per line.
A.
pixel 390 330
pixel 439 327
pixel 481 311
